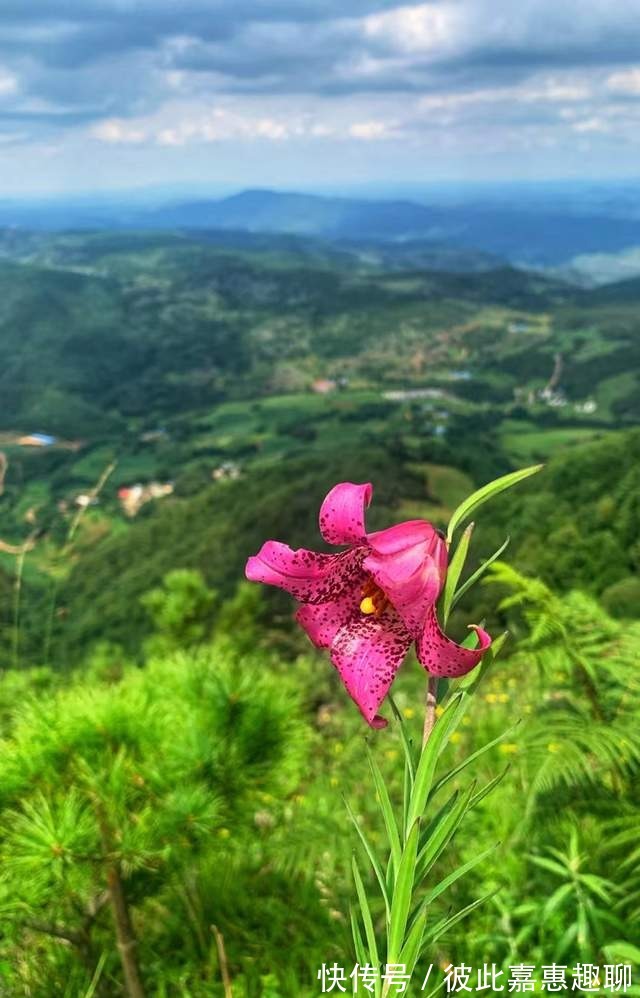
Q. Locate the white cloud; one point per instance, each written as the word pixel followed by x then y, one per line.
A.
pixel 116 132
pixel 179 125
pixel 183 123
pixel 591 125
pixel 369 130
pixel 8 83
pixel 416 28
pixel 537 91
pixel 267 128
pixel 626 82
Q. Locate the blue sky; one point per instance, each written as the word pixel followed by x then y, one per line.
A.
pixel 104 94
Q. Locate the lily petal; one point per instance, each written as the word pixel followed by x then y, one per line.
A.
pixel 443 657
pixel 342 513
pixel 367 652
pixel 401 536
pixel 409 563
pixel 309 576
pixel 322 621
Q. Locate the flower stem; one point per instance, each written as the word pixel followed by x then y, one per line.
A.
pixel 430 708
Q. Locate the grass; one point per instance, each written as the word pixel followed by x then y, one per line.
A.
pixel 446 486
pixel 620 386
pixel 540 444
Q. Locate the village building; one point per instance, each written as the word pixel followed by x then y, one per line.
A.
pixel 133 497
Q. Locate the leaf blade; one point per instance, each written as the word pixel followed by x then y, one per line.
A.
pixel 486 492
pixel 454 572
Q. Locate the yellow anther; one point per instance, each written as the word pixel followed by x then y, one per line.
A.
pixel 367 606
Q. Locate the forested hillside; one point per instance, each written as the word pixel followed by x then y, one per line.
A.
pixel 170 402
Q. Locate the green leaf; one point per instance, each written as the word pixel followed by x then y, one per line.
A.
pixel 95 980
pixel 358 943
pixel 497 645
pixel 438 838
pixel 488 787
pixel 476 499
pixel 471 758
pixel 406 741
pixel 446 882
pixel 556 899
pixel 447 923
pixel 406 798
pixel 387 813
pixel 401 902
pixel 479 572
pixel 412 947
pixel 454 572
pixel 429 759
pixel 597 885
pixel 549 864
pixel 622 951
pixel 567 939
pixel 373 859
pixel 365 911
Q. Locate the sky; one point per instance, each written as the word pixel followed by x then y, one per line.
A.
pixel 113 94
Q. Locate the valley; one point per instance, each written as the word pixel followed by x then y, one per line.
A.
pixel 189 369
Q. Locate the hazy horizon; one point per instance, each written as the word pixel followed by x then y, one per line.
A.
pixel 440 188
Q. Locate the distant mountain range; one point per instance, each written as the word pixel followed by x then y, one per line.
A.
pixel 584 243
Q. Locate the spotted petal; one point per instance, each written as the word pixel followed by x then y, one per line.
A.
pixel 309 576
pixel 322 621
pixel 367 652
pixel 443 657
pixel 409 563
pixel 342 513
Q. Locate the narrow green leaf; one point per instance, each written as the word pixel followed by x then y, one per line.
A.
pixel 471 758
pixel 388 816
pixel 358 943
pixel 476 499
pixel 365 912
pixel 442 834
pixel 556 899
pixel 429 759
pixel 488 787
pixel 438 987
pixel 406 798
pixel 401 902
pixel 597 885
pixel 497 645
pixel 434 823
pixel 548 864
pixel 446 882
pixel 95 980
pixel 373 859
pixel 390 879
pixel 432 934
pixel 454 572
pixel 479 572
pixel 567 939
pixel 622 951
pixel 406 741
pixel 413 945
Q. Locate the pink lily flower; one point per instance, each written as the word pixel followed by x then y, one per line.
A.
pixel 370 602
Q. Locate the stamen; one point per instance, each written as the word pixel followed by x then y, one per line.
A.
pixel 374 600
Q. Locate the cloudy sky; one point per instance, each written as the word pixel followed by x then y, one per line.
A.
pixel 302 93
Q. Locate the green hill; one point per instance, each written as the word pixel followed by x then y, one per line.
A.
pixel 170 359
